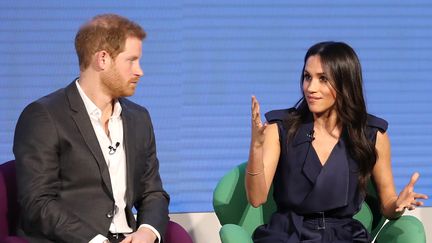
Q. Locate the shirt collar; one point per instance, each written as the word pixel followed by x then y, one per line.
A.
pixel 92 109
pixel 117 110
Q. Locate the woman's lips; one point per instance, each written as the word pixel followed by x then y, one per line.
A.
pixel 313 98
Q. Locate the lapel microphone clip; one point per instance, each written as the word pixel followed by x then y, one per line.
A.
pixel 112 149
pixel 310 135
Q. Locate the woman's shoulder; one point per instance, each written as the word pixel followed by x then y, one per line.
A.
pixel 279 115
pixel 377 123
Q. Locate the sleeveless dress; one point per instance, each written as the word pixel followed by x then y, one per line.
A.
pixel 315 203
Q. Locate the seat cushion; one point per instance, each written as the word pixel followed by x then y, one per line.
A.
pixel 176 234
pixel 4 229
pixel 13 239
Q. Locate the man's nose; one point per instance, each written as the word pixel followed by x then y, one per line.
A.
pixel 138 71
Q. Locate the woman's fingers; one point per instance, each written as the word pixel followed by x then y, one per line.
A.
pixel 256 112
pixel 403 207
pixel 414 179
pixel 417 203
pixel 399 209
pixel 255 107
pixel 411 201
pixel 411 207
pixel 420 196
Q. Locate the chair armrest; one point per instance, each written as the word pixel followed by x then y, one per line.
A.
pixel 232 233
pixel 404 229
pixel 365 217
pixel 13 239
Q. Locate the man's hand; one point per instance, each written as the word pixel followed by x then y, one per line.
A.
pixel 142 235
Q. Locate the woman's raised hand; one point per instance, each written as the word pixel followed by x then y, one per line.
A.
pixel 408 198
pixel 257 137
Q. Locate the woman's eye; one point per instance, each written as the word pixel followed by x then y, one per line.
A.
pixel 307 77
pixel 323 79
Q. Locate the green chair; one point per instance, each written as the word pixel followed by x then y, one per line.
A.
pixel 239 219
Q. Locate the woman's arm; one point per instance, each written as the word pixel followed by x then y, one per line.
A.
pixel 263 158
pixel 392 205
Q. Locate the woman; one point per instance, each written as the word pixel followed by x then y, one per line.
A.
pixel 320 154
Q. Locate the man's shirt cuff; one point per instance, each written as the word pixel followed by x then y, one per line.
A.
pixel 98 239
pixel 152 229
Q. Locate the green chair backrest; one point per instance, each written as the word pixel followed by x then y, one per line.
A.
pixel 373 202
pixel 231 205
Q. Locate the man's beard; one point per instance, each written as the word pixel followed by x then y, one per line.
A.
pixel 116 86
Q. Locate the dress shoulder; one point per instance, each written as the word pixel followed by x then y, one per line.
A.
pixel 376 122
pixel 279 115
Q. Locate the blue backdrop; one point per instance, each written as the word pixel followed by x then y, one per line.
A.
pixel 204 59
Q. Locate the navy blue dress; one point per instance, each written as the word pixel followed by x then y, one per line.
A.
pixel 315 203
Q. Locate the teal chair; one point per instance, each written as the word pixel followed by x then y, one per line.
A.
pixel 239 219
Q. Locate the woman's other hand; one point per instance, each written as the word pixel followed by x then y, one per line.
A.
pixel 408 198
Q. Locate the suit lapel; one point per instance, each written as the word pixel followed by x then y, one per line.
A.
pixel 129 146
pixel 82 120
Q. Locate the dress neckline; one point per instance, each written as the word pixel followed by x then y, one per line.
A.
pixel 317 158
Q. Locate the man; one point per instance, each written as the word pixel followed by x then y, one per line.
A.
pixel 85 155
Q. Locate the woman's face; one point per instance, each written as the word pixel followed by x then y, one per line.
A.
pixel 318 91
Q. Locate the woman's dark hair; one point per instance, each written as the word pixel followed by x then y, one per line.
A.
pixel 342 64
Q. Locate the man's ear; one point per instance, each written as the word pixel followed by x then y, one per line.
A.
pixel 103 60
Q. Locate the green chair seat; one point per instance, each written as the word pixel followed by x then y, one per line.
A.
pixel 239 219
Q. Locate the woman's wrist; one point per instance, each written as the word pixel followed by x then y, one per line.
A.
pixel 256 144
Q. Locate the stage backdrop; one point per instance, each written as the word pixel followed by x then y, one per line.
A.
pixel 204 59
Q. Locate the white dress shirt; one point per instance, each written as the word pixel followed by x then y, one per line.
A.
pixel 113 150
